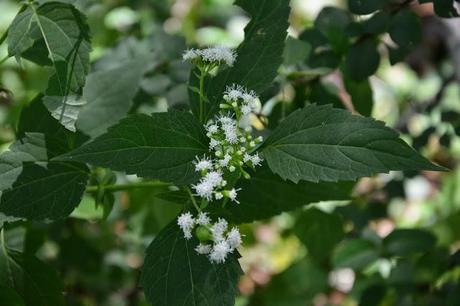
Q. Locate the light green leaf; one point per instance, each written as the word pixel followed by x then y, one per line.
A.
pixel 320 143
pixel 161 146
pixel 259 56
pixel 175 275
pixel 36 282
pixel 109 95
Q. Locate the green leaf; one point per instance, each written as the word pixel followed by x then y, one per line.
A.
pixel 36 282
pixel 362 60
pixel 175 275
pixel 259 56
pixel 109 95
pixel 30 185
pixel 365 7
pixel 332 22
pixel 403 242
pixel 319 231
pixel 406 29
pixel 320 143
pixel 296 51
pixel 161 146
pixel 361 95
pixel 275 195
pixel 10 297
pixel 62 30
pixel 355 254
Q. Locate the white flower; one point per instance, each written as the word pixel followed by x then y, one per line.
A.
pixel 247 157
pixel 191 54
pixel 219 54
pixel 224 161
pixel 246 109
pixel 214 178
pixel 233 93
pixel 204 189
pixel 256 160
pixel 213 143
pixel 219 195
pixel 212 128
pixel 203 219
pixel 226 120
pixel 230 132
pixel 203 249
pixel 203 164
pixel 250 98
pixel 232 194
pixel 186 223
pixel 219 252
pixel 218 230
pixel 234 238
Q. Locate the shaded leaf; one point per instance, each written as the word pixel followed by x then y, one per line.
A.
pixel 36 282
pixel 319 231
pixel 403 242
pixel 175 275
pixel 362 60
pixel 355 254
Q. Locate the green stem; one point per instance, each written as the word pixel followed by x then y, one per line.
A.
pixel 121 187
pixel 3 38
pixel 202 76
pixel 4 59
pixel 192 198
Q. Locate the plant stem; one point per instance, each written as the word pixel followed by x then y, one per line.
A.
pixel 202 76
pixel 192 198
pixel 4 59
pixel 121 187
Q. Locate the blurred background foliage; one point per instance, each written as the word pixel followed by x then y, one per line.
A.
pixel 396 242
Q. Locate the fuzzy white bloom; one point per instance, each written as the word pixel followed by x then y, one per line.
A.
pixel 234 238
pixel 218 229
pixel 203 249
pixel 231 133
pixel 186 222
pixel 246 109
pixel 219 252
pixel 250 98
pixel 233 93
pixel 203 219
pixel 214 178
pixel 203 164
pixel 213 143
pixel 219 54
pixel 218 195
pixel 212 128
pixel 232 194
pixel 247 157
pixel 191 54
pixel 204 189
pixel 224 161
pixel 256 159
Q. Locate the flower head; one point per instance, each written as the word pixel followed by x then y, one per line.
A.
pixel 203 219
pixel 186 222
pixel 203 249
pixel 219 252
pixel 203 164
pixel 204 189
pixel 234 238
pixel 218 229
pixel 191 55
pixel 219 54
pixel 214 178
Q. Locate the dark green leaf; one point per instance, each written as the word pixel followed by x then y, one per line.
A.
pixel 259 56
pixel 332 22
pixel 320 143
pixel 365 7
pixel 355 254
pixel 362 60
pixel 10 297
pixel 319 231
pixel 361 95
pixel 37 283
pixel 405 29
pixel 175 275
pixel 161 146
pixel 109 95
pixel 296 51
pixel 403 242
pixel 266 195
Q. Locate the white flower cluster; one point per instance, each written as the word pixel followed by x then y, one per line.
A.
pixel 221 240
pixel 230 144
pixel 214 55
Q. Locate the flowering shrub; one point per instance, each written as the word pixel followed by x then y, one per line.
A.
pixel 224 156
